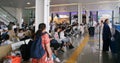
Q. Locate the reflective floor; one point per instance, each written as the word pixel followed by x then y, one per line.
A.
pixel 91 52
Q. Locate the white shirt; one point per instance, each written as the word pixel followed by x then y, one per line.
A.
pixel 81 28
pixel 56 36
pixel 20 35
pixel 62 35
pixel 75 27
pixel 94 23
pixel 53 26
pixel 6 42
pixel 14 27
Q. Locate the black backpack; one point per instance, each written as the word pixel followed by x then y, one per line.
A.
pixel 25 51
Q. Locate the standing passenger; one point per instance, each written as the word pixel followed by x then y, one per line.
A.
pixel 47 58
pixel 106 36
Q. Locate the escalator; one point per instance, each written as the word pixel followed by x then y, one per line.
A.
pixel 6 17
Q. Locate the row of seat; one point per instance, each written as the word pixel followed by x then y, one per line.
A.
pixel 11 47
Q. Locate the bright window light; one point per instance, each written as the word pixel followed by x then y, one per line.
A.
pixel 28 3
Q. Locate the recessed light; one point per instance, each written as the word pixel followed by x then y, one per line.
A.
pixel 28 3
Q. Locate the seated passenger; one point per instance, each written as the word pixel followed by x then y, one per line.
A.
pixel 68 31
pixel 27 34
pixel 56 35
pixel 54 44
pixel 7 41
pixel 75 30
pixel 4 33
pixel 21 34
pixel 65 40
pixel 13 36
pixel 81 29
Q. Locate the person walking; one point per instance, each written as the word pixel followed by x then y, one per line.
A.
pixel 47 57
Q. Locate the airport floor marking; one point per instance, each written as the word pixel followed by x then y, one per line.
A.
pixel 78 51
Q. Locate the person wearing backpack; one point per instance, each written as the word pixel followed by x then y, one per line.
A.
pixel 45 42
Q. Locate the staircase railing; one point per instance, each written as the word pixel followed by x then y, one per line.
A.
pixel 6 16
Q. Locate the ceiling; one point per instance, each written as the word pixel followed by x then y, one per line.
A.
pixel 22 3
pixel 76 1
pixel 17 3
pixel 70 1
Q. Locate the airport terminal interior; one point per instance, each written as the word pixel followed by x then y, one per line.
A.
pixel 59 31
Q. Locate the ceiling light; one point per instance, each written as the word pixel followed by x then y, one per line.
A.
pixel 28 3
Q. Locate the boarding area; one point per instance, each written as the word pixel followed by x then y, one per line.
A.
pixel 59 31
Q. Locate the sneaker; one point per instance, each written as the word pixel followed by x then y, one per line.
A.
pixel 57 60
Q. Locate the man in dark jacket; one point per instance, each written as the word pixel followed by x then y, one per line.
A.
pixel 106 36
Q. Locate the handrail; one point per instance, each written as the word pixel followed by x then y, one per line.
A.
pixel 4 20
pixel 9 13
